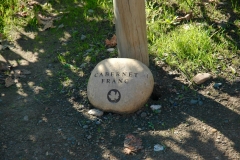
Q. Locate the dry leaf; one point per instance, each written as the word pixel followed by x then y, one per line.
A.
pixel 132 144
pixel 9 81
pixel 48 25
pixel 22 14
pixel 112 42
pixel 127 151
pixel 32 3
pixel 43 19
pixel 208 1
pixel 37 89
pixel 46 21
pixel 186 17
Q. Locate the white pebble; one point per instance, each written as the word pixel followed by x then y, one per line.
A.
pixel 158 147
pixel 155 107
pixel 95 112
pixel 110 49
pixel 25 118
pixel 83 37
pixel 98 122
pixel 85 126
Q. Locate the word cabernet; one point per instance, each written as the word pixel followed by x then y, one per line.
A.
pixel 115 77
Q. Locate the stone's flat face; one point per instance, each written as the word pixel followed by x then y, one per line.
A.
pixel 120 85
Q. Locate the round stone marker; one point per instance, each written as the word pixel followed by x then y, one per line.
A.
pixel 120 85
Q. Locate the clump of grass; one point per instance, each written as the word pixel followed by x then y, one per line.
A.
pixel 7 10
pixel 189 48
pixel 235 4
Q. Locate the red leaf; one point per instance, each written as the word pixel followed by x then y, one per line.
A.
pixel 112 42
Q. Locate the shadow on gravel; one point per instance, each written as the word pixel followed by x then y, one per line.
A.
pixel 45 115
pixel 211 112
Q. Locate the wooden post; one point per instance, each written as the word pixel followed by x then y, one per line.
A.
pixel 131 29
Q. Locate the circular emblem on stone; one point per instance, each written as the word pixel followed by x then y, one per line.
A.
pixel 114 96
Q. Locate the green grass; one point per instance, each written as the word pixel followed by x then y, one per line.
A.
pixel 190 46
pixel 7 10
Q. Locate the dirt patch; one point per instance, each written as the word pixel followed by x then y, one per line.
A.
pixel 44 114
pixel 38 121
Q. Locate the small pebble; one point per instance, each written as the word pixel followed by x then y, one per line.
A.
pixel 110 49
pixel 217 85
pixel 213 130
pixel 49 154
pixel 95 112
pixel 49 65
pixel 158 147
pixel 98 122
pixel 85 126
pixel 61 26
pixel 71 139
pixel 83 65
pixel 89 50
pixel 226 121
pixel 193 101
pixel 155 107
pixel 201 78
pixel 25 118
pixel 200 103
pixel 89 137
pixel 143 114
pixel 171 101
pixel 83 37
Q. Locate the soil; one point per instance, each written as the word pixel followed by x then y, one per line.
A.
pixel 39 121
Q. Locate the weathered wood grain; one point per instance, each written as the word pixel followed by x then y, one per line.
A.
pixel 131 33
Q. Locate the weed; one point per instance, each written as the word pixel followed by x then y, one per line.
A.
pixel 151 125
pixel 172 130
pixel 163 124
pixel 99 130
pixel 156 111
pixel 235 5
